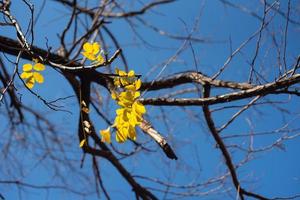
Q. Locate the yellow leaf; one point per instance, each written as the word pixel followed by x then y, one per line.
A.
pixel 96 48
pixel 27 67
pixel 139 108
pixel 30 82
pixel 130 87
pixel 38 77
pixel 124 81
pixel 120 111
pixel 117 82
pixel 133 120
pixel 100 59
pixel 26 75
pixel 137 94
pixel 114 95
pixel 121 73
pixel 88 47
pixel 105 135
pixel 89 56
pixel 120 137
pixel 39 67
pixel 132 133
pixel 130 73
pixel 138 84
pixel 82 143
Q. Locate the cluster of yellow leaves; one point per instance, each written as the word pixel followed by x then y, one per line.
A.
pixel 130 113
pixel 31 73
pixel 93 52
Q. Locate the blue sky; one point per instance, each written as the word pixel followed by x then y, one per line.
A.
pixel 271 173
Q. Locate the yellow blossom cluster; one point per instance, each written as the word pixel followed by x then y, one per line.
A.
pixel 130 113
pixel 93 52
pixel 31 73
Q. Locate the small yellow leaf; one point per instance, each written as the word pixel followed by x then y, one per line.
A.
pixel 130 73
pixel 117 82
pixel 26 75
pixel 121 73
pixel 138 84
pixel 132 133
pixel 137 94
pixel 96 48
pixel 120 111
pixel 139 108
pixel 120 137
pixel 130 87
pixel 39 67
pixel 27 67
pixel 38 77
pixel 89 56
pixel 82 143
pixel 100 59
pixel 30 82
pixel 105 135
pixel 114 95
pixel 88 47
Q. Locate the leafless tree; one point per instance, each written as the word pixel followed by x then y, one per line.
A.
pixel 166 162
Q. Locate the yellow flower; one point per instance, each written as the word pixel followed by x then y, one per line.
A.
pixel 91 50
pixel 30 74
pixel 105 135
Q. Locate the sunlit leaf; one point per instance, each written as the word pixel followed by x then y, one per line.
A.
pixel 38 77
pixel 39 67
pixel 26 75
pixel 138 84
pixel 105 135
pixel 82 143
pixel 130 73
pixel 88 47
pixel 96 48
pixel 27 67
pixel 120 137
pixel 30 82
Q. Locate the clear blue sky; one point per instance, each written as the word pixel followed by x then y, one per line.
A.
pixel 271 173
